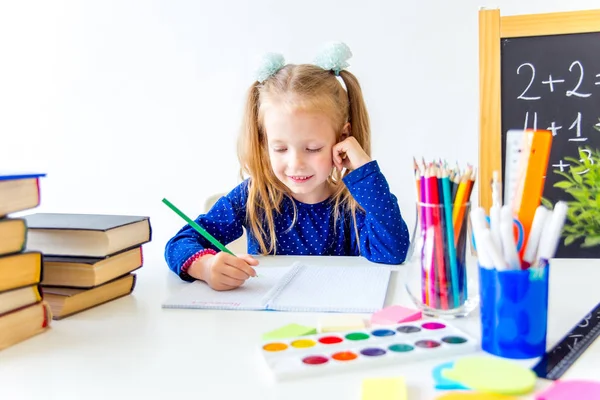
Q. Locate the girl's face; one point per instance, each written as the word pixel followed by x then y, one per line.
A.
pixel 300 145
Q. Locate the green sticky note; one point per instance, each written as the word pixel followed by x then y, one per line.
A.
pixel 495 375
pixel 289 331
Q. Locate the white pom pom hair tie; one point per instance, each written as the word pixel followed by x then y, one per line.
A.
pixel 334 56
pixel 270 64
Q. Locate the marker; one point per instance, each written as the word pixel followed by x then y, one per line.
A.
pixel 545 229
pixel 479 225
pixel 541 213
pixel 509 247
pixel 492 251
pixel 495 210
pixel 551 236
pixel 495 225
pixel 478 218
pixel 496 189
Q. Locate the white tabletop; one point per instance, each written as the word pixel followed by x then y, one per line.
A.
pixel 132 348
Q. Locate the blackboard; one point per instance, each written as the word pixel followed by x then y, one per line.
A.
pixel 553 83
pixel 540 71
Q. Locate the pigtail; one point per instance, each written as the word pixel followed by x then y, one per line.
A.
pixel 248 140
pixel 361 131
pixel 264 191
pixel 358 116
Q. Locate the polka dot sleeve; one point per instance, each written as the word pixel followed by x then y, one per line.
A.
pixel 223 221
pixel 383 234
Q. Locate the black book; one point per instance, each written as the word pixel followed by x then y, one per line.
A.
pixel 86 235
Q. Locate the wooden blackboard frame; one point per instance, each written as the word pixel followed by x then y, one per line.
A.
pixel 492 29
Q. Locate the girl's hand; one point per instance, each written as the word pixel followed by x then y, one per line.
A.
pixel 223 271
pixel 348 154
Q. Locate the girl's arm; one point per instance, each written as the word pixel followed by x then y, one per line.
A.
pixel 223 221
pixel 383 234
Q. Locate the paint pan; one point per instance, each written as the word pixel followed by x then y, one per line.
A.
pixel 336 352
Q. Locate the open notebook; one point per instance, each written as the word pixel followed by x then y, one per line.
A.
pixel 301 287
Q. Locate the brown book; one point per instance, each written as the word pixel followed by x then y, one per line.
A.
pixel 17 298
pixel 24 323
pixel 85 235
pixel 87 272
pixel 13 233
pixel 68 301
pixel 20 269
pixel 18 192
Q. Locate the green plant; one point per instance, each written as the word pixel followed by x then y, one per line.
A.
pixel 582 182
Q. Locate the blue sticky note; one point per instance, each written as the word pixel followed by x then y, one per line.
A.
pixel 443 383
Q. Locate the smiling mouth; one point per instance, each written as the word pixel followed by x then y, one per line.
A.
pixel 300 179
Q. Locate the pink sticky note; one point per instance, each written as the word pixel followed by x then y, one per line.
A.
pixel 394 315
pixel 571 389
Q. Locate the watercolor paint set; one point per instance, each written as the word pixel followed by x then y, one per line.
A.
pixel 365 348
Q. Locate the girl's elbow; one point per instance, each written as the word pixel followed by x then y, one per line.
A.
pixel 396 258
pixel 391 256
pixel 171 263
pixel 172 256
pixel 400 257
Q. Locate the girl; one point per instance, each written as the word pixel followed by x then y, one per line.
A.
pixel 312 188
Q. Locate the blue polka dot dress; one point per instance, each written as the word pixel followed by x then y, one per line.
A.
pixel 382 232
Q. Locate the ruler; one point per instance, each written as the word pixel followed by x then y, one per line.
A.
pixel 515 144
pixel 556 361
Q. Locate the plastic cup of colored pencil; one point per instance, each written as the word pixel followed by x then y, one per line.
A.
pixel 437 279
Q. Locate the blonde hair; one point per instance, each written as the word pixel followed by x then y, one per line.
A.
pixel 310 88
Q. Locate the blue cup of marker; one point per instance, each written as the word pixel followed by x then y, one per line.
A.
pixel 514 311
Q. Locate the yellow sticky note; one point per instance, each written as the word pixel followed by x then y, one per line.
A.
pixel 474 396
pixel 384 389
pixel 289 331
pixel 492 375
pixel 340 323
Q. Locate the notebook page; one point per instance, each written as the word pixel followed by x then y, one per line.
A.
pixel 358 289
pixel 249 296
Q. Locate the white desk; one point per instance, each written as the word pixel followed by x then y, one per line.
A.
pixel 131 348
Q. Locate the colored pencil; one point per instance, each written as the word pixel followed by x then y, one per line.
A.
pixel 440 272
pixel 455 181
pixel 198 228
pixel 450 238
pixel 429 241
pixel 443 234
pixel 424 220
pixel 417 171
pixel 460 202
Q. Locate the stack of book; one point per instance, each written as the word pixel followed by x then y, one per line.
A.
pixel 23 311
pixel 89 259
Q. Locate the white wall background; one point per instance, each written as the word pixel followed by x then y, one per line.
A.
pixel 124 102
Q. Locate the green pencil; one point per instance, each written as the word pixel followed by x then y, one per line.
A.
pixel 198 228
